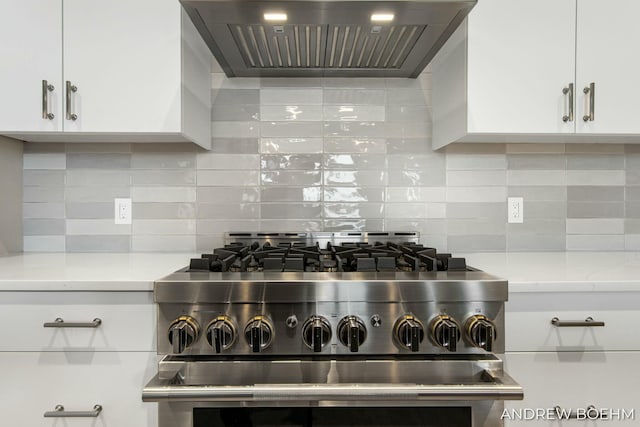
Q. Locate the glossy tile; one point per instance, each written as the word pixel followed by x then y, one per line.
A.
pixel 416 194
pixel 43 210
pixel 43 227
pixel 354 210
pixel 290 145
pixel 408 113
pixel 227 161
pixel 472 243
pixel 409 145
pixel 352 113
pixel 537 162
pixel 595 210
pixel 291 194
pixel 354 82
pixel 355 178
pixel 291 178
pixel 527 148
pixel 595 148
pixel 307 113
pixel 595 226
pixel 163 177
pixel 97 178
pixel 544 209
pixel 222 178
pixel 406 210
pixel 594 162
pixel 219 227
pixel 349 96
pixel 233 145
pixel 355 145
pixel 163 194
pixel 539 177
pixel 416 162
pixel 164 211
pixel 98 243
pixel 43 178
pixel 164 227
pixel 235 113
pixel 96 227
pixel 227 194
pixel 527 242
pixel 536 225
pixel 304 162
pixel 291 129
pixel 291 210
pixel 98 161
pixel 350 224
pixel 581 242
pixel 418 178
pixel 476 194
pixel 222 97
pixel 281 224
pixel 478 210
pixel 222 211
pixel 595 177
pixel 632 242
pixel 590 193
pixel 632 194
pixel 42 194
pixel 163 243
pixel 476 226
pixel 457 178
pixel 98 147
pixel 355 161
pixel 44 243
pixel 229 129
pixel 91 210
pixel 55 161
pixel 409 96
pixel 539 192
pixel 290 96
pixel 353 194
pixel 476 161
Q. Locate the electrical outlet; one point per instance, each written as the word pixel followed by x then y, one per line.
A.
pixel 515 210
pixel 123 211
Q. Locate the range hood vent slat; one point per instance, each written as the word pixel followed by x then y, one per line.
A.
pixel 325 37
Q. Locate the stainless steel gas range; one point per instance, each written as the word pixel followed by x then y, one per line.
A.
pixel 330 329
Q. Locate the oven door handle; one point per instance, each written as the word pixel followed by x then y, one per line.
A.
pixel 495 386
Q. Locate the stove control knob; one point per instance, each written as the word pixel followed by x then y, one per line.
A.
pixel 445 332
pixel 409 332
pixel 481 331
pixel 316 333
pixel 183 332
pixel 352 332
pixel 291 322
pixel 258 333
pixel 221 333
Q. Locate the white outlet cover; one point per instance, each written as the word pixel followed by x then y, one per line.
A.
pixel 515 210
pixel 122 211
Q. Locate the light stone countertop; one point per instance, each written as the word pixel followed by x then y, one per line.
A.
pixel 562 271
pixel 526 271
pixel 87 271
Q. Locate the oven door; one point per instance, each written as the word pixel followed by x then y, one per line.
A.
pixel 417 390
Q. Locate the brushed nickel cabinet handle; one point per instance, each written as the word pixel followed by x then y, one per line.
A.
pixel 590 412
pixel 59 412
pixel 70 88
pixel 588 322
pixel 591 102
pixel 60 323
pixel 46 88
pixel 568 90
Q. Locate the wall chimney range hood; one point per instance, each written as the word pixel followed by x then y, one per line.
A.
pixel 311 38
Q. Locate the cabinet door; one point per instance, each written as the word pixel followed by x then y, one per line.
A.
pixel 31 51
pixel 35 383
pixel 520 56
pixel 124 59
pixel 574 381
pixel 607 46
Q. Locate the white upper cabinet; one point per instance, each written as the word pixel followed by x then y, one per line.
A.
pixel 30 53
pixel 608 42
pixel 124 71
pixel 516 70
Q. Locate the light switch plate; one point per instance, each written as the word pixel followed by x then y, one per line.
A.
pixel 123 211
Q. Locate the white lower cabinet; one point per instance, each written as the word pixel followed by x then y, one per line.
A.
pixel 34 383
pixel 573 381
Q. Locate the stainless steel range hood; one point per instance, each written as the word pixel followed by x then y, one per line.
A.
pixel 330 38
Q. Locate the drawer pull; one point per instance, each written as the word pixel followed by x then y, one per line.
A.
pixel 60 323
pixel 590 413
pixel 588 322
pixel 59 412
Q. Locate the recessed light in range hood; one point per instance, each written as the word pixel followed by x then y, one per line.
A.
pixel 325 37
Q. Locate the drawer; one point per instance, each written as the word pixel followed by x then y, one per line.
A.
pixel 36 382
pixel 528 321
pixel 128 321
pixel 575 380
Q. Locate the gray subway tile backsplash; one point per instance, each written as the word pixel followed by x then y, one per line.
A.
pixel 330 154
